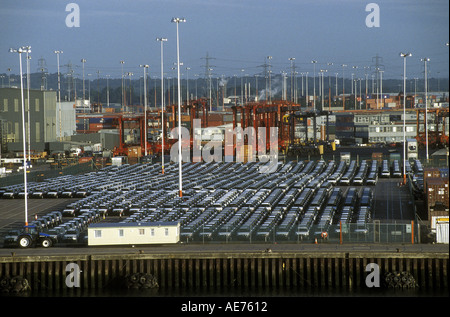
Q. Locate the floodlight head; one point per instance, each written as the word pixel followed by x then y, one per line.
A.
pixel 405 54
pixel 178 20
pixel 161 39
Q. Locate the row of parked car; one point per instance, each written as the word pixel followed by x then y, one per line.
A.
pixel 226 200
pixel 60 229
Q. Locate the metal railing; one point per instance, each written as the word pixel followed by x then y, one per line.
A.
pixel 373 232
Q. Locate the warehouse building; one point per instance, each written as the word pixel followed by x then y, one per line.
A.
pixel 47 123
pixel 375 127
pixel 42 114
pixel 131 233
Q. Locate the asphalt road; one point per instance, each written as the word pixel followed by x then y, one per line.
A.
pixel 211 249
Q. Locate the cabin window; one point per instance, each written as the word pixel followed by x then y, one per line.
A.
pixel 152 232
pixel 120 232
pixel 97 233
pixel 166 231
pixel 141 232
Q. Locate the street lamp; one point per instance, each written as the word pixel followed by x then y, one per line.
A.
pixel 20 51
pixel 145 107
pixel 425 60
pixel 59 93
pixel 177 21
pixel 404 55
pixel 161 39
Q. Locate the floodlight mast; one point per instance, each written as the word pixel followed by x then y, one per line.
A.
pixel 404 55
pixel 161 39
pixel 425 60
pixel 145 107
pixel 59 94
pixel 20 51
pixel 177 21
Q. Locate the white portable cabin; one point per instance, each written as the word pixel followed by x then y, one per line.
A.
pixel 133 233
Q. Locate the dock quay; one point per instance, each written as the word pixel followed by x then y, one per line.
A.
pixel 231 266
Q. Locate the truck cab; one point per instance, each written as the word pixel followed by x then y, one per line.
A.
pixel 32 236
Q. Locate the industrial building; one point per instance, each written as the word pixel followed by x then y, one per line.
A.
pixel 42 114
pixel 46 121
pixel 386 126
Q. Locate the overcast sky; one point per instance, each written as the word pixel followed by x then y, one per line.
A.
pixel 237 34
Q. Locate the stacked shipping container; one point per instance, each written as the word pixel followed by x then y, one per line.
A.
pixel 436 191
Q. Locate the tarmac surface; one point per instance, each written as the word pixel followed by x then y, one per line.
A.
pixel 392 203
pixel 217 248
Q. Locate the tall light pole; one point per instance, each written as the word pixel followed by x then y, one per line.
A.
pixel 177 21
pixel 28 51
pixel 20 51
pixel 187 84
pixel 336 74
pixel 59 94
pixel 145 107
pixel 314 85
pixel 270 80
pixel 83 61
pixel 381 88
pixel 123 101
pixel 292 59
pixel 343 86
pixel 107 90
pixel 161 39
pixel 306 89
pixel 425 60
pixel 242 88
pixel 404 55
pixel 84 108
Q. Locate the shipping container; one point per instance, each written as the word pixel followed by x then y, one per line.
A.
pixel 444 172
pixel 85 159
pixel 133 160
pixel 431 172
pixel 119 160
pixel 134 151
pixel 377 156
pixel 436 191
pixel 394 157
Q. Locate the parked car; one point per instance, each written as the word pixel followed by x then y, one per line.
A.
pixel 11 238
pixel 57 233
pixel 71 236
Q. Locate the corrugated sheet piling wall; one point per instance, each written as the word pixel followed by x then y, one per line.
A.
pixel 224 270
